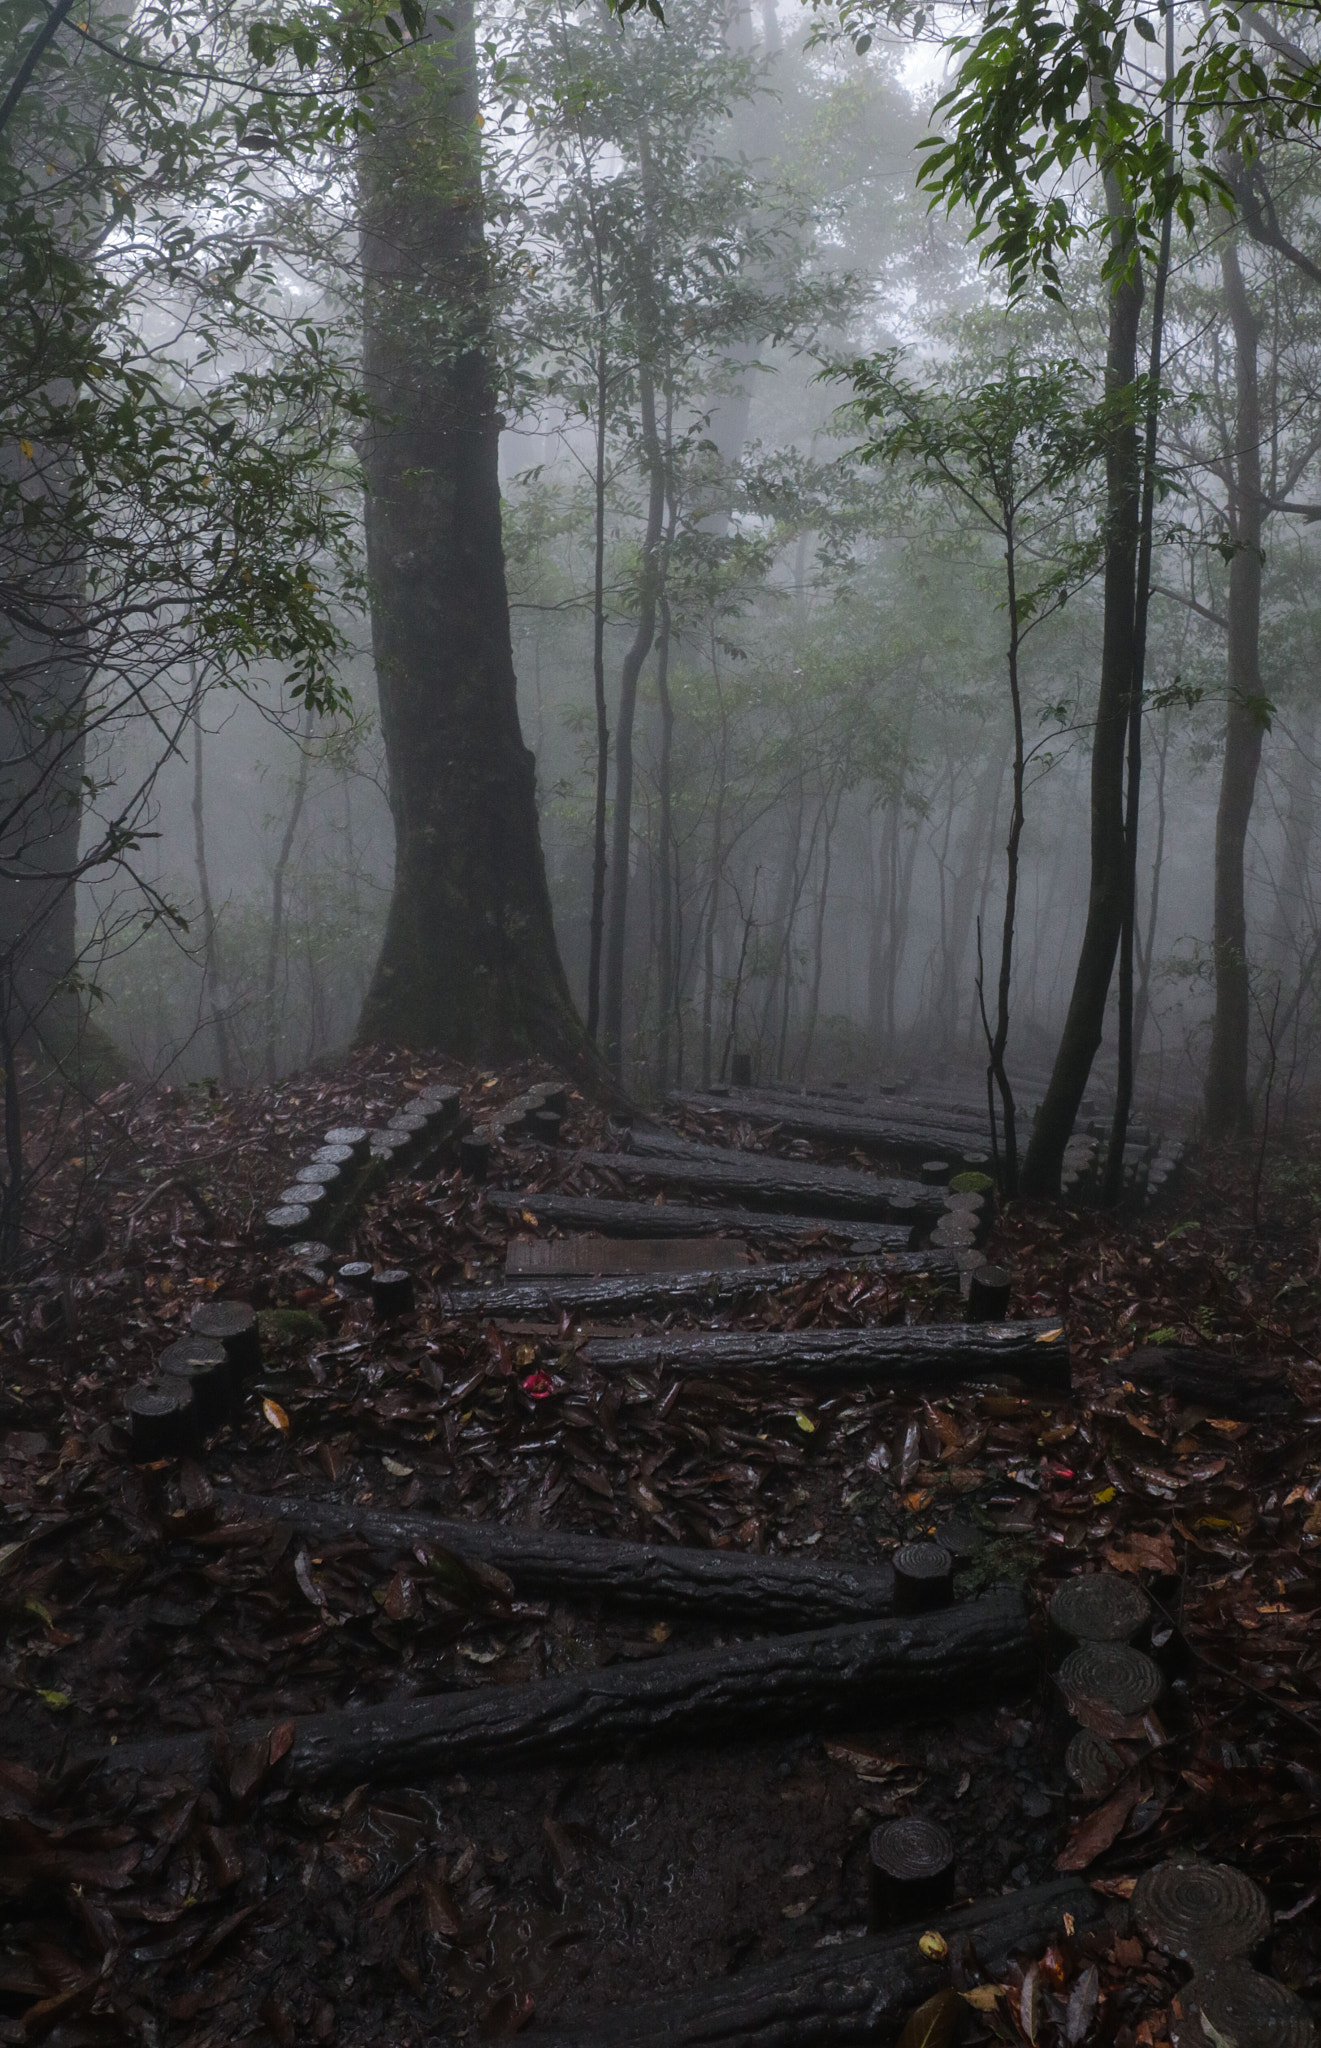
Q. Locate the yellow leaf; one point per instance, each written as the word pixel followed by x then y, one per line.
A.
pixel 1050 1336
pixel 933 1946
pixel 983 1997
pixel 400 1471
pixel 528 1217
pixel 1104 1495
pixel 26 446
pixel 805 1423
pixel 275 1414
pixel 58 1700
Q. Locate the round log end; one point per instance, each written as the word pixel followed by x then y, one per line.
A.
pixel 332 1155
pixel 1105 1607
pixel 1234 2002
pixel 1093 1764
pixel 392 1292
pixel 308 1194
pixel 412 1123
pixel 1204 1913
pixel 355 1136
pixel 546 1125
pixel 923 1577
pixel 323 1174
pixel 287 1218
pixel 1109 1682
pixel 203 1364
pixel 934 1173
pixel 162 1420
pixel 912 1868
pixel 234 1324
pixel 355 1277
pixel 988 1295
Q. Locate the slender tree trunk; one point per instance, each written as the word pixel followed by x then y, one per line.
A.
pixel 597 920
pixel 666 994
pixel 1114 1176
pixel 469 962
pixel 275 942
pixel 1000 1036
pixel 1228 1109
pixel 1105 906
pixel 622 823
pixel 713 911
pixel 819 936
pixel 1146 951
pixel 211 982
pixel 785 895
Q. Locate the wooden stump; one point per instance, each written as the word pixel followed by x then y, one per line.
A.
pixel 202 1363
pixel 1232 2002
pixel 233 1324
pixel 1105 1607
pixel 923 1577
pixel 912 1869
pixel 988 1295
pixel 1109 1687
pixel 162 1420
pixel 1203 1913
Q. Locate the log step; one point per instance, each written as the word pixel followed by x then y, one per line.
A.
pixel 917 1355
pixel 907 1137
pixel 599 1257
pixel 773 1183
pixel 858 1991
pixel 682 1219
pixel 659 1294
pixel 926 1663
pixel 798 1592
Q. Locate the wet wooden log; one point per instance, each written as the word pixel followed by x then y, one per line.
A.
pixel 162 1419
pixel 923 1664
pixel 660 1294
pixel 786 1593
pixel 1210 1380
pixel 682 1219
pixel 598 1258
pixel 858 1991
pixel 911 1869
pixel 1232 2002
pixel 1203 1913
pixel 1104 1607
pixel 773 1183
pixel 919 1355
pixel 904 1136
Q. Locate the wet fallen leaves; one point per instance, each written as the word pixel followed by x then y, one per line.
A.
pixel 139 1601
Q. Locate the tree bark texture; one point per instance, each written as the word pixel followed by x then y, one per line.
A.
pixel 772 1183
pixel 903 1138
pixel 683 1219
pixel 860 1991
pixel 662 1294
pixel 917 1355
pixel 729 1585
pixel 469 962
pixel 923 1663
pixel 1083 1025
pixel 1228 1110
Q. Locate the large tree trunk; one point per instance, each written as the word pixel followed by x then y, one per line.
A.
pixel 1228 1111
pixel 1105 904
pixel 469 963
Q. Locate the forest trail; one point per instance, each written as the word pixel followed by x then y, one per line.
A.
pixel 543 1654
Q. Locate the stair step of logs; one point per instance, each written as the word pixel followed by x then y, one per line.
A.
pixel 881 1669
pixel 774 1183
pixel 660 1294
pixel 899 1135
pixel 682 1219
pixel 917 1355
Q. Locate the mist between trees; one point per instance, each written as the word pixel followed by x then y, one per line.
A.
pixel 823 518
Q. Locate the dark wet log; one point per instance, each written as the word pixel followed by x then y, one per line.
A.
pixel 162 1419
pixel 202 1363
pixel 233 1324
pixel 912 1869
pixel 988 1295
pixel 923 1577
pixel 597 1258
pixel 392 1292
pixel 545 1126
pixel 1109 1687
pixel 1201 1912
pixel 659 1294
pixel 1105 1607
pixel 648 1578
pixel 1223 1386
pixel 920 1355
pixel 1242 2007
pixel 925 1664
pixel 355 1277
pixel 906 1135
pixel 772 1183
pixel 682 1219
pixel 859 1991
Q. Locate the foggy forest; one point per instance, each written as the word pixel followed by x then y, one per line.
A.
pixel 660 1023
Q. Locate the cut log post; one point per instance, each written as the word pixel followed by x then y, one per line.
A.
pixel 860 1991
pixel 599 1258
pixel 923 1577
pixel 1203 1913
pixel 1110 1687
pixel 772 1183
pixel 202 1363
pixel 1233 2002
pixel 773 1593
pixel 1105 1607
pixel 660 1294
pixel 919 1354
pixel 924 1664
pixel 392 1292
pixel 907 1136
pixel 1094 1765
pixel 355 1277
pixel 162 1420
pixel 682 1219
pixel 355 1136
pixel 475 1156
pixel 988 1295
pixel 233 1324
pixel 912 1869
